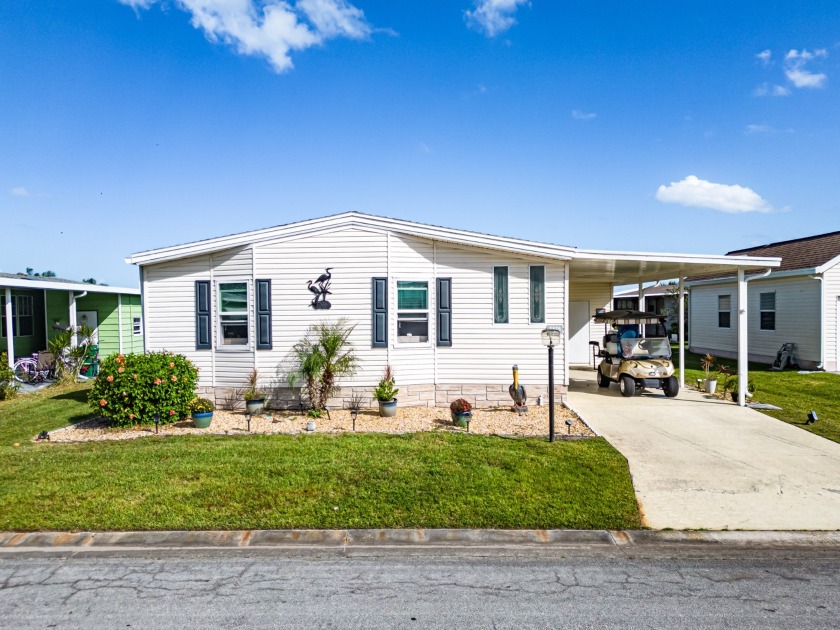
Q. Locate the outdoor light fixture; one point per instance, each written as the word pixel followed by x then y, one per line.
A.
pixel 248 420
pixel 551 336
pixel 812 417
pixel 353 414
pixel 157 422
pixel 569 424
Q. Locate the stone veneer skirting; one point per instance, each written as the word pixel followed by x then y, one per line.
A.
pixel 481 396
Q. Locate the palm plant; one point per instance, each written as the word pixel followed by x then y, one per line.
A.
pixel 323 357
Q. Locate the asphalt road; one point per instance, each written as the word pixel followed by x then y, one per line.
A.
pixel 580 588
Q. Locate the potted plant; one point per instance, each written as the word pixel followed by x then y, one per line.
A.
pixel 461 411
pixel 386 394
pixel 313 415
pixel 254 398
pixel 734 392
pixel 708 362
pixel 202 412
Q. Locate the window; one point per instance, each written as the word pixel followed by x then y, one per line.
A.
pixel 412 312
pixel 233 313
pixel 500 295
pixel 767 308
pixel 22 320
pixel 626 304
pixel 136 326
pixel 724 311
pixel 538 295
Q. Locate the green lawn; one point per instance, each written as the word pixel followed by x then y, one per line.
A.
pixel 226 482
pixel 795 393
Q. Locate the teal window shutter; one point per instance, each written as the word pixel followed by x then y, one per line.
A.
pixel 263 312
pixel 379 313
pixel 444 311
pixel 202 315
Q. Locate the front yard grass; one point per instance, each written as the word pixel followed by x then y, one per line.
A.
pixel 795 393
pixel 427 480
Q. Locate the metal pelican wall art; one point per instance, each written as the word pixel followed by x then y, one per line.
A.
pixel 320 287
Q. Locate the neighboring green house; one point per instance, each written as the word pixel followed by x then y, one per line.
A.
pixel 34 309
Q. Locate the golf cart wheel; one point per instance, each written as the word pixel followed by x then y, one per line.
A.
pixel 603 381
pixel 627 386
pixel 671 386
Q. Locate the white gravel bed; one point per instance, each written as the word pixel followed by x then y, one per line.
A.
pixel 498 421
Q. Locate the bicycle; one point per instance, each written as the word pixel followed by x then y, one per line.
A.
pixel 32 369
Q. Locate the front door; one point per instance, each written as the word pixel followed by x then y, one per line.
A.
pixel 579 318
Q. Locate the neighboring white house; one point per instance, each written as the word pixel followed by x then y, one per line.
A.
pixel 797 303
pixel 452 311
pixel 658 298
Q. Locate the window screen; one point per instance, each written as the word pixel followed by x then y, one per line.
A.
pixel 538 295
pixel 500 295
pixel 233 313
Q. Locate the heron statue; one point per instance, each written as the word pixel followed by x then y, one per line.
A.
pixel 517 392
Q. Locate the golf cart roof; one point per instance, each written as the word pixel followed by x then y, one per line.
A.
pixel 628 317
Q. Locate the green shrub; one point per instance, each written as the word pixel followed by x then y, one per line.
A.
pixel 7 378
pixel 132 388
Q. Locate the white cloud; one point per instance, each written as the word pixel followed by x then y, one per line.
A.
pixel 579 115
pixel 764 57
pixel 699 193
pixel 19 191
pixel 271 28
pixel 492 16
pixel 798 74
pixel 766 89
pixel 758 129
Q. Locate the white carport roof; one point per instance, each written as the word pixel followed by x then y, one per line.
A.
pixel 589 265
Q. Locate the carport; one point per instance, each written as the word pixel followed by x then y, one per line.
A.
pixel 594 273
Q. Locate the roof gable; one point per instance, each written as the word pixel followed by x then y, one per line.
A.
pixel 354 219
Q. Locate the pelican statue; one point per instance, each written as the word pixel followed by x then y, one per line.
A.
pixel 517 392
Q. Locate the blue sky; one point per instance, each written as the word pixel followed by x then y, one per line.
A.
pixel 135 124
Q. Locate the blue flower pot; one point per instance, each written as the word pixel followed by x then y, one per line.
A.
pixel 388 408
pixel 202 419
pixel 461 419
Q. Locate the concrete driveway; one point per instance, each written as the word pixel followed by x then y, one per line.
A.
pixel 700 462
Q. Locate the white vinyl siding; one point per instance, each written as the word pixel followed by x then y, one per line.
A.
pixel 797 319
pixel 830 308
pixel 480 353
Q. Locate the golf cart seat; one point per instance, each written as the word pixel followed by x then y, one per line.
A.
pixel 611 344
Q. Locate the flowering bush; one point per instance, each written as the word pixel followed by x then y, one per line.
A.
pixel 132 388
pixel 460 406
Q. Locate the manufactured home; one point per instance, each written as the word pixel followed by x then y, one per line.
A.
pixel 794 303
pixel 35 308
pixel 450 310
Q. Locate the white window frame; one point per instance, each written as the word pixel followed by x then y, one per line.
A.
pixel 507 297
pixel 531 321
pixel 16 316
pixel 729 310
pixel 412 311
pixel 137 326
pixel 220 345
pixel 774 310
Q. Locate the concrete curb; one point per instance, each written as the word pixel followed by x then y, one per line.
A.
pixel 416 538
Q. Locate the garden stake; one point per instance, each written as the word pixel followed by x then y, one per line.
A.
pixel 248 420
pixel 157 422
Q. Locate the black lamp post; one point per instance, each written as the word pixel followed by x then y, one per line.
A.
pixel 551 337
pixel 248 420
pixel 157 422
pixel 353 414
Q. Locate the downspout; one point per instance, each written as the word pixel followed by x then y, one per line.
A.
pixel 73 321
pixel 822 319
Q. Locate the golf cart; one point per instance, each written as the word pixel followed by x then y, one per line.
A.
pixel 633 361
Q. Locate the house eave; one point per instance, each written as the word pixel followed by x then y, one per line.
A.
pixel 789 273
pixel 25 283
